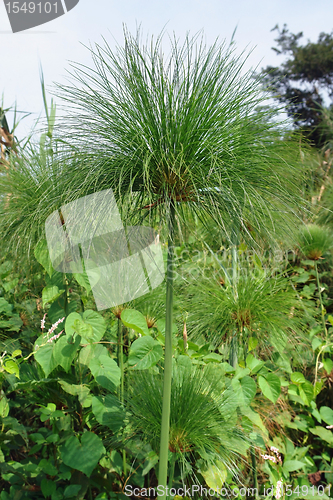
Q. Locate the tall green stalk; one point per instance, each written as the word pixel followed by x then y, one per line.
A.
pixel 164 444
pixel 121 366
pixel 254 468
pixel 233 356
pixel 322 309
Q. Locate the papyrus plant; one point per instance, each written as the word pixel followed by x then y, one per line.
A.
pixel 173 134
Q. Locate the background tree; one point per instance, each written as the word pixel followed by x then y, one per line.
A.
pixel 302 81
pixel 7 142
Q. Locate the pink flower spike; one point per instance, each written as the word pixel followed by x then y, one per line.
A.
pixel 42 323
pixel 276 451
pixel 55 337
pixel 329 426
pixel 278 489
pixel 269 457
pixel 54 326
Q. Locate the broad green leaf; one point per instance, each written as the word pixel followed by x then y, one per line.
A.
pixel 44 355
pixel 47 467
pixel 328 365
pixel 64 352
pixel 308 262
pixel 43 257
pixel 241 372
pixel 323 433
pixel 297 378
pixel 270 386
pixel 83 281
pixel 150 462
pixel 72 490
pixel 212 357
pixel 50 294
pixel 184 363
pixel 245 390
pixel 316 414
pixel 14 324
pixel 6 268
pixel 215 476
pixel 57 279
pixel 302 278
pixel 227 368
pixel 292 465
pixel 145 352
pixel 255 418
pixel 97 322
pixel 12 367
pixel 283 362
pixel 10 285
pixel 88 279
pixel 108 411
pixel 249 389
pixel 48 487
pixel 57 310
pixel 253 363
pixel 84 330
pixel 160 325
pixel 4 405
pixel 135 320
pixel 253 342
pixel 82 456
pixel 91 351
pixel 5 307
pixel 306 392
pixel 318 387
pixel 82 391
pixel 316 343
pixel 326 414
pixel 69 323
pixel 90 326
pixel 106 372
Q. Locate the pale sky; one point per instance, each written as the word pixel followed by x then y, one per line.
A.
pixel 56 43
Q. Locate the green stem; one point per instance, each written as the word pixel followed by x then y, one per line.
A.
pixel 245 343
pixel 122 376
pixel 119 343
pixel 233 358
pixel 66 295
pixel 233 355
pixel 234 267
pixel 234 260
pixel 254 468
pixel 321 301
pixel 317 360
pixel 165 425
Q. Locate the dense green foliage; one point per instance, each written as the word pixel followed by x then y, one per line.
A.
pixel 251 325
